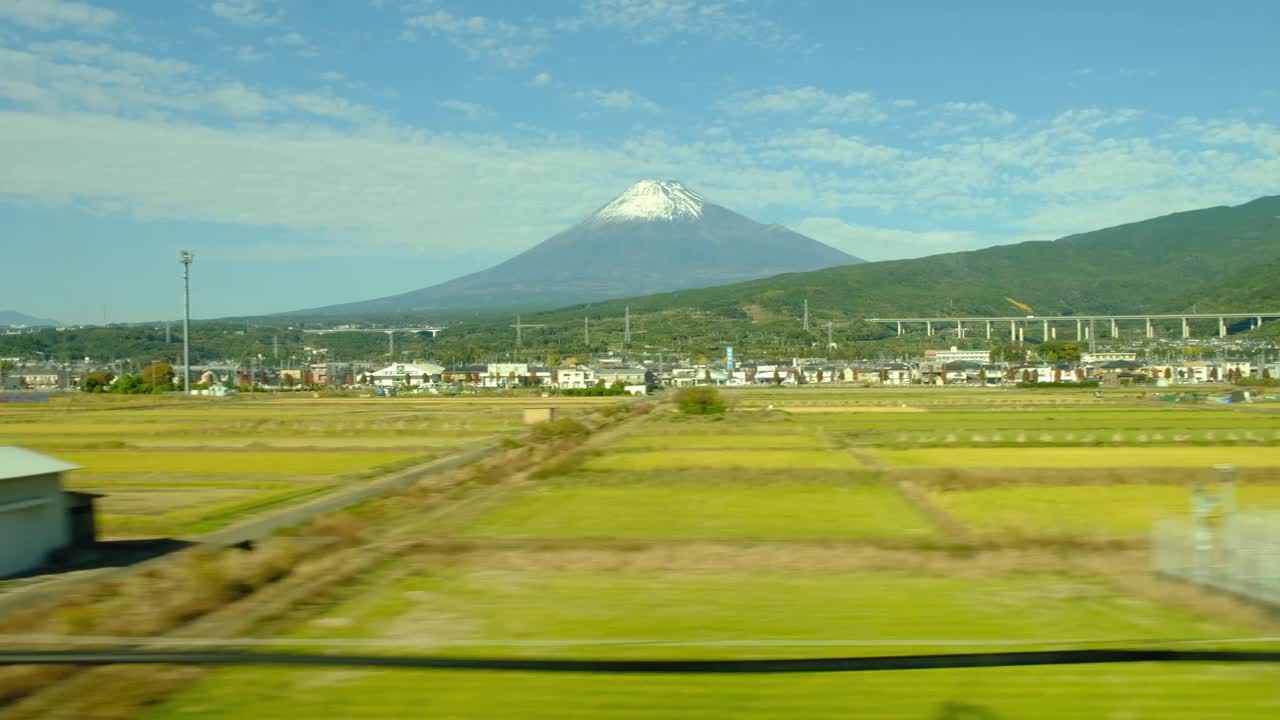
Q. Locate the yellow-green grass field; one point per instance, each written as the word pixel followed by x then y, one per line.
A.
pixel 1083 457
pixel 281 462
pixel 654 510
pixel 477 610
pixel 698 538
pixel 723 459
pixel 178 466
pixel 1120 510
pixel 721 441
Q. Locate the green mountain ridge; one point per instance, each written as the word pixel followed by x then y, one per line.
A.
pixel 1165 264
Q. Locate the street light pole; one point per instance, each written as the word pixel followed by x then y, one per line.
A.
pixel 185 257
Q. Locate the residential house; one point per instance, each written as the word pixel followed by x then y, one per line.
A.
pixel 624 375
pixel 574 378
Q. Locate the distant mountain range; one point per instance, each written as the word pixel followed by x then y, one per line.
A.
pixel 13 318
pixel 656 236
pixel 1218 258
pixel 1221 258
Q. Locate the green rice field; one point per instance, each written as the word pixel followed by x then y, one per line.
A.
pixel 621 614
pixel 800 524
pixel 179 466
pixel 712 511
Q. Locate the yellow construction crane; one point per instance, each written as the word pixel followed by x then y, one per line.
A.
pixel 1022 306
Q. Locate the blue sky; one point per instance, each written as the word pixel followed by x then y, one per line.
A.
pixel 313 156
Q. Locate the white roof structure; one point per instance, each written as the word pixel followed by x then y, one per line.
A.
pixel 16 462
pixel 402 369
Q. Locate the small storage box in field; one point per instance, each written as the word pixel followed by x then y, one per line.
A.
pixel 533 416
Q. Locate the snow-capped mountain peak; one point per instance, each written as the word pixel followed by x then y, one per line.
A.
pixel 652 200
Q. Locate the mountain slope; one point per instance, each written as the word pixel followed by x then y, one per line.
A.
pixel 656 236
pixel 1153 265
pixel 16 319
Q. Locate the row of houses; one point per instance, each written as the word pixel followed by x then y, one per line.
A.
pixel 506 375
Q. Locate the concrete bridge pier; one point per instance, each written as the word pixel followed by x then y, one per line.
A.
pixel 1022 334
pixel 1150 331
pixel 1053 333
pixel 1045 334
pixel 1222 327
pixel 1013 331
pixel 1079 330
pixel 988 329
pixel 1259 322
pixel 960 329
pixel 1186 328
pixel 928 327
pixel 1115 329
pixel 899 327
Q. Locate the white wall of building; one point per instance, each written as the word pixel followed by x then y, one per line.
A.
pixel 33 521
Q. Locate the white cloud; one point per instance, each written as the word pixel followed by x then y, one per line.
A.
pixel 249 54
pixel 825 146
pixel 250 13
pixel 542 79
pixel 46 15
pixel 69 76
pixel 653 20
pixel 619 100
pixel 905 103
pixel 106 55
pixel 297 42
pixel 472 111
pixel 479 37
pixel 811 101
pixel 983 112
pixel 157 139
pixel 331 76
pixel 881 243
pixel 239 101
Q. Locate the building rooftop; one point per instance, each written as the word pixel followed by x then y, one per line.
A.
pixel 16 462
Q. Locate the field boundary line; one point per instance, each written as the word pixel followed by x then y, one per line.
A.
pixel 668 667
pixel 918 499
pixel 263 526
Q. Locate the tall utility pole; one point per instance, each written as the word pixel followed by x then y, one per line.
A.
pixel 391 345
pixel 626 328
pixel 186 257
pixel 519 326
pixel 586 331
pixel 806 314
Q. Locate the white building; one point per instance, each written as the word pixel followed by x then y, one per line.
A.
pixel 577 378
pixel 957 355
pixel 624 375
pixel 1098 358
pixel 33 509
pixel 400 374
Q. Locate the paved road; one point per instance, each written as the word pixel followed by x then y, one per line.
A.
pixel 262 527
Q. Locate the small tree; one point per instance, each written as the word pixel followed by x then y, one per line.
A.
pixel 98 381
pixel 158 374
pixel 699 400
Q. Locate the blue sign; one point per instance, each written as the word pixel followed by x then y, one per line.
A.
pixel 728 363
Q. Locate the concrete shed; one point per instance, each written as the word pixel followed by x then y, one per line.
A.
pixel 33 509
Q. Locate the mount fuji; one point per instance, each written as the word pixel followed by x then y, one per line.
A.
pixel 657 236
